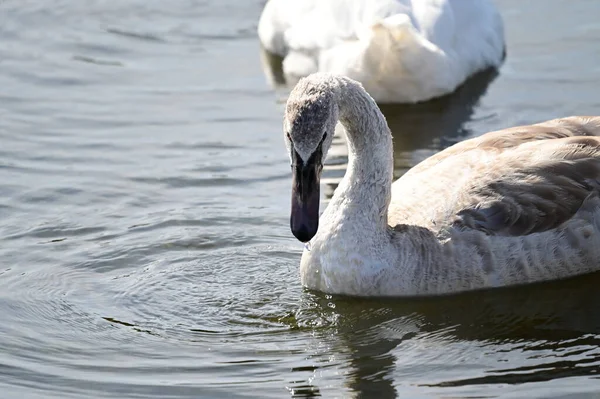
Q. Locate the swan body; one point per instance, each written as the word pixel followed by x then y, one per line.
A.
pixel 516 206
pixel 402 51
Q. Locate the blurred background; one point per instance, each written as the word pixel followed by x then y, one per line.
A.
pixel 144 197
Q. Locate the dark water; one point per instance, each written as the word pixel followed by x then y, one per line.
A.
pixel 144 191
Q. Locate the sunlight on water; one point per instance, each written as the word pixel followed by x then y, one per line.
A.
pixel 144 210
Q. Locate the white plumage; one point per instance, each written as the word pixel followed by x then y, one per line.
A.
pixel 400 50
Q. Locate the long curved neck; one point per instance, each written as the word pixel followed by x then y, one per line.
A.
pixel 366 187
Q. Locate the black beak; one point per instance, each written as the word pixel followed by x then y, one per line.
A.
pixel 304 219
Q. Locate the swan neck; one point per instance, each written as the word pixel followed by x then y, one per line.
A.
pixel 369 175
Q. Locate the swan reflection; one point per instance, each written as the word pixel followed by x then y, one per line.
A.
pixel 391 348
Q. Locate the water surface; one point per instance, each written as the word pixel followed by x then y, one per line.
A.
pixel 144 193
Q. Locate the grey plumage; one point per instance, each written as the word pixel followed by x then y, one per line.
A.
pixel 510 207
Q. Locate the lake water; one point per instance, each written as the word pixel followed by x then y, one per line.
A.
pixel 144 197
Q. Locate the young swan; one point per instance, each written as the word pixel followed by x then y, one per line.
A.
pixel 511 207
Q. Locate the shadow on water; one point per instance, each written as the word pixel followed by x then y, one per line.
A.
pixel 554 326
pixel 273 68
pixel 435 124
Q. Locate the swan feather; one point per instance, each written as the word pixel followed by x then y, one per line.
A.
pixel 515 206
pixel 401 50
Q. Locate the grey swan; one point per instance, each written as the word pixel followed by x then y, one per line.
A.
pixel 510 207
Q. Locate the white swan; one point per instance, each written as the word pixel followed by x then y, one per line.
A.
pixel 515 206
pixel 402 51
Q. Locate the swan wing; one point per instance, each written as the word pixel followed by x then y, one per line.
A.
pixel 511 207
pixel 515 181
pixel 544 185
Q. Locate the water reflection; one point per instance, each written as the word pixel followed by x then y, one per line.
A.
pixel 435 124
pixel 515 335
pixel 273 68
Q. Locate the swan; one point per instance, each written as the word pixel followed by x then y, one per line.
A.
pixel 510 207
pixel 402 51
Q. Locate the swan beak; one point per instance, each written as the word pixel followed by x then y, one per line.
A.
pixel 304 219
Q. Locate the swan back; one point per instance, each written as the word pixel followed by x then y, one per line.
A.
pixel 511 207
pixel 515 180
pixel 401 50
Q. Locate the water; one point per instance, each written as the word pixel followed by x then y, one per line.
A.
pixel 144 193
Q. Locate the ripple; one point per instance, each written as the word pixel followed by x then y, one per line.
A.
pixel 203 145
pixel 145 196
pixel 214 181
pixel 55 232
pixel 135 35
pixel 97 61
pixel 179 182
pixel 176 284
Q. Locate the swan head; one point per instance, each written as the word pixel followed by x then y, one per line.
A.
pixel 309 124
